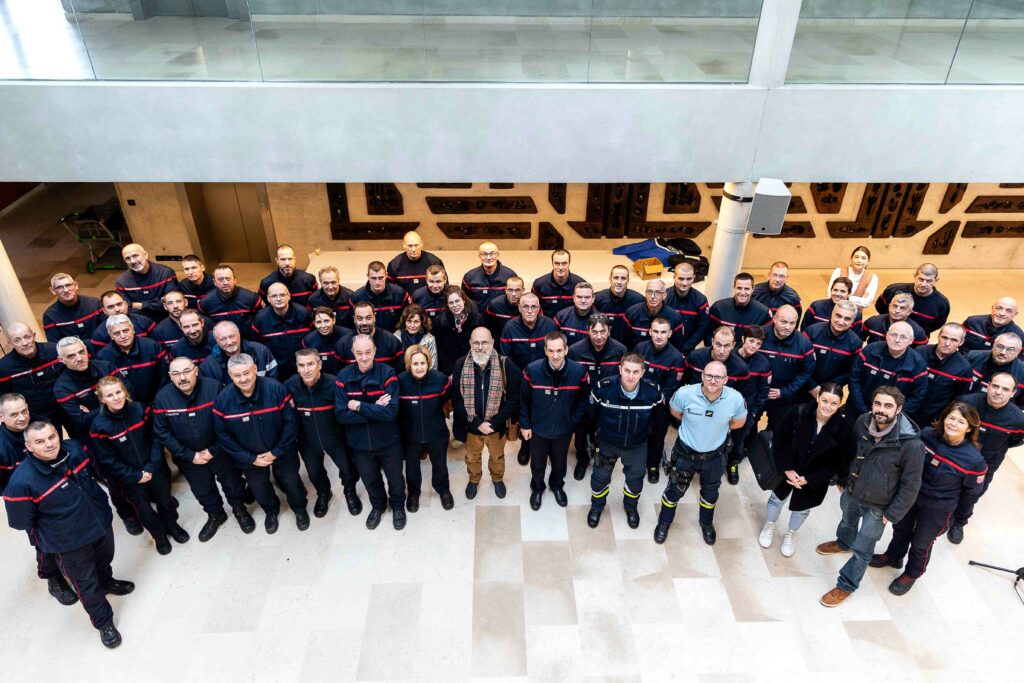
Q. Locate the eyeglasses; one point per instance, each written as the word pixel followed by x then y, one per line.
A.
pixel 1003 347
pixel 526 307
pixel 61 288
pixel 488 254
pixel 714 378
pixel 175 374
pixel 480 344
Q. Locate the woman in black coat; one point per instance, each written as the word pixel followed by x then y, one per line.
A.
pixel 810 448
pixel 453 326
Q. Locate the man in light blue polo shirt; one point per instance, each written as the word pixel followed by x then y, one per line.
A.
pixel 707 412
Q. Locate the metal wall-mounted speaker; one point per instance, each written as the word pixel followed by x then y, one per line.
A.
pixel 768 210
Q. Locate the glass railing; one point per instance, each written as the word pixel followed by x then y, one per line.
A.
pixel 909 41
pixel 586 41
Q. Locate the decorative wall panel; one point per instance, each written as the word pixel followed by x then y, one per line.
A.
pixel 828 197
pixel 383 199
pixel 342 228
pixel 941 241
pixel 496 231
pixel 475 205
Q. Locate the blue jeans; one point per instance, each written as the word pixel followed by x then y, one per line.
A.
pixel 861 541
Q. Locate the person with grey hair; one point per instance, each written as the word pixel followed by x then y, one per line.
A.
pixel 229 342
pixel 931 307
pixel 144 283
pixel 255 423
pixel 835 345
pixel 949 373
pixel 139 359
pixel 889 362
pixel 115 304
pixel 900 309
pixel 71 312
pixel 32 369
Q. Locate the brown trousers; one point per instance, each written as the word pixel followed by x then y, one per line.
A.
pixel 495 456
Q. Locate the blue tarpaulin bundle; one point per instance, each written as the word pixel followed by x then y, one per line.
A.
pixel 669 251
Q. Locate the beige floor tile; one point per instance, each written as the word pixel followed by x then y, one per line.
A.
pixel 548 594
pixel 499 637
pixel 391 633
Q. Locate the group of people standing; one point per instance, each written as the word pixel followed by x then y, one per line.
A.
pixel 245 388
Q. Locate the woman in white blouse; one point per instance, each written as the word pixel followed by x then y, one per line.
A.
pixel 865 283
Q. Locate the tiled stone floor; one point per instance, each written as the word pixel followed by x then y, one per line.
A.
pixel 492 590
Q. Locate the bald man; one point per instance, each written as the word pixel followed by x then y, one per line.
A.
pixel 144 284
pixel 281 326
pixel 408 270
pixel 983 329
pixel 32 369
pixel 791 356
pixel 301 285
pixel 487 280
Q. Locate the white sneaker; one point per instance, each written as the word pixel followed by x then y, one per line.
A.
pixel 767 535
pixel 788 543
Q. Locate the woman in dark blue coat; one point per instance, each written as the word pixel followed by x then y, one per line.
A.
pixel 422 394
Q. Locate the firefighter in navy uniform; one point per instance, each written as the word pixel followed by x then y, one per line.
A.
pixel 1004 357
pixel 821 311
pixel 366 403
pixel 115 304
pixel 422 395
pixel 486 281
pixel 255 423
pixel 169 331
pixel 140 360
pixel 981 329
pixel 503 308
pixel 301 285
pixel 755 393
pixel 891 362
pixel 32 369
pixel 900 310
pixel 75 391
pixel 324 339
pixel 196 342
pixel 53 498
pixel 639 317
pixel 72 314
pixel 1002 428
pixel 409 269
pixel 122 434
pixel 739 311
pixel 387 347
pixel 229 343
pixel 552 398
pixel 197 283
pixel 953 469
pixel 14 420
pixel 600 355
pixel 228 302
pixel 387 299
pixel 707 412
pixel 792 359
pixel 622 408
pixel 320 434
pixel 689 303
pixel 775 293
pixel 931 307
pixel 280 326
pixel 183 423
pixel 145 283
pixel 949 373
pixel 572 320
pixel 431 295
pixel 332 295
pixel 616 300
pixel 835 346
pixel 555 289
pixel 665 367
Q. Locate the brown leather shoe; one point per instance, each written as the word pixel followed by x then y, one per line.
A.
pixel 830 548
pixel 834 597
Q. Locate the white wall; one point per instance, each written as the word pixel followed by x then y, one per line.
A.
pixel 97 131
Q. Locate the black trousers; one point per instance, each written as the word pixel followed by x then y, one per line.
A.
pixel 46 564
pixel 965 508
pixel 743 437
pixel 370 464
pixel 286 474
pixel 586 436
pixel 541 450
pixel 202 479
pixel 88 572
pixel 633 464
pixel 915 534
pixel 118 496
pixel 154 493
pixel 437 451
pixel 313 460
pixel 656 441
pixel 710 472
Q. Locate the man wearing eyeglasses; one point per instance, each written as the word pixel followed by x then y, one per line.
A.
pixel 1002 358
pixel 889 362
pixel 72 314
pixel 487 280
pixel 639 317
pixel 707 413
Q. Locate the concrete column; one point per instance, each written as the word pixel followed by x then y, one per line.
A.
pixel 14 306
pixel 775 32
pixel 730 240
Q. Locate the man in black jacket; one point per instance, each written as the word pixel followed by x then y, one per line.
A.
pixel 32 369
pixel 256 425
pixel 145 283
pixel 320 434
pixel 1002 428
pixel 52 496
pixel 880 487
pixel 301 285
pixel 366 403
pixel 622 408
pixel 197 283
pixel 387 299
pixel 71 313
pixel 485 398
pixel 931 307
pixel 408 270
pixel 183 424
pixel 949 373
